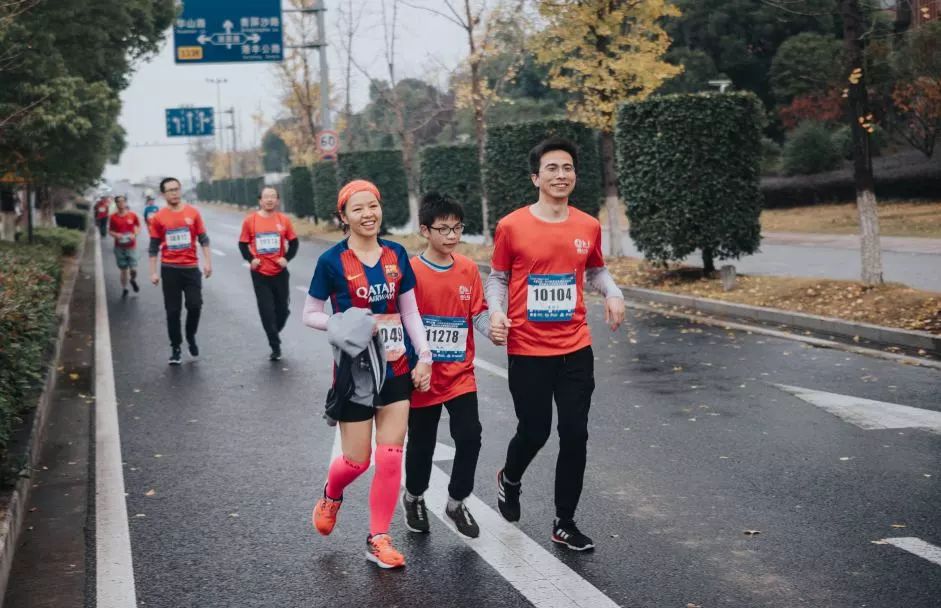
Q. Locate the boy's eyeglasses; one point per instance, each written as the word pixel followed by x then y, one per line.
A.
pixel 446 230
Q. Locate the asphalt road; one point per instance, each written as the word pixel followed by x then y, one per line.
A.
pixel 692 444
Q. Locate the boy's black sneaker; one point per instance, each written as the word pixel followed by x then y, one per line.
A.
pixel 463 520
pixel 194 350
pixel 176 356
pixel 568 534
pixel 416 514
pixel 275 354
pixel 134 285
pixel 508 498
pixel 123 293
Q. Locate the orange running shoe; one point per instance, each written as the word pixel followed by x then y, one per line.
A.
pixel 380 551
pixel 325 513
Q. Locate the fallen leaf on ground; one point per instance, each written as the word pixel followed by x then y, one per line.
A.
pixel 150 492
pixel 899 526
pixel 73 376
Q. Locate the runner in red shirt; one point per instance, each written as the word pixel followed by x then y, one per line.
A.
pixel 451 298
pixel 174 232
pixel 124 227
pixel 102 207
pixel 543 255
pixel 268 243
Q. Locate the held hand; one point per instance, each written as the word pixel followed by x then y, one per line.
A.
pixel 498 335
pixel 282 262
pixel 155 278
pixel 421 377
pixel 614 312
pixel 255 263
pixel 499 328
pixel 207 270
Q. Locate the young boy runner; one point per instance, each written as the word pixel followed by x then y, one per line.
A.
pixel 268 243
pixel 102 209
pixel 543 255
pixel 150 207
pixel 450 298
pixel 124 227
pixel 174 232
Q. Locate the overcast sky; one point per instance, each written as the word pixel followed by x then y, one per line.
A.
pixel 427 45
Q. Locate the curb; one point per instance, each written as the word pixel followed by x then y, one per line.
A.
pixel 12 524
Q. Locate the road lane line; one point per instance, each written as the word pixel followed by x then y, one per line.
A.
pixel 493 368
pixel 230 226
pixel 917 547
pixel 114 570
pixel 219 252
pixel 301 288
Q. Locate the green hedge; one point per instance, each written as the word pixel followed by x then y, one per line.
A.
pixel 385 169
pixel 242 191
pixel 29 284
pixel 454 170
pixel 507 177
pixel 689 168
pixel 809 149
pixel 301 201
pixel 324 180
pixel 63 240
pixel 74 219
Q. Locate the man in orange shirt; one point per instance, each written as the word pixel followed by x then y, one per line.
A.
pixel 268 243
pixel 123 227
pixel 174 232
pixel 451 300
pixel 543 255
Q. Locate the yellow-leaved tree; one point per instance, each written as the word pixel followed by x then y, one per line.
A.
pixel 605 52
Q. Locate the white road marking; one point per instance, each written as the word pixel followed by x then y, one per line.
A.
pixel 300 288
pixel 230 226
pixel 218 252
pixel 867 413
pixel 493 368
pixel 114 569
pixel 918 547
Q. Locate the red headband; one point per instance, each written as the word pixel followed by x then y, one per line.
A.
pixel 355 186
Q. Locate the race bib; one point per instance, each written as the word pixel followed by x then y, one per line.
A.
pixel 551 297
pixel 125 238
pixel 179 238
pixel 447 337
pixel 267 243
pixel 390 331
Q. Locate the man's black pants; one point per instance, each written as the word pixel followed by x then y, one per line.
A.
pixel 177 283
pixel 273 296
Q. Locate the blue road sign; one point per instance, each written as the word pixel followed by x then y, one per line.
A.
pixel 189 122
pixel 210 31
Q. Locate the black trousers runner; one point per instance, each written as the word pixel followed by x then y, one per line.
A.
pixel 177 283
pixel 273 294
pixel 103 226
pixel 534 383
pixel 423 434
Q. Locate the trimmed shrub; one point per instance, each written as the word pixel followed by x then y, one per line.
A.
pixel 324 178
pixel 843 140
pixel 29 284
pixel 302 196
pixel 507 177
pixel 454 170
pixel 770 156
pixel 76 220
pixel 689 169
pixel 385 169
pixel 809 149
pixel 62 240
pixel 204 191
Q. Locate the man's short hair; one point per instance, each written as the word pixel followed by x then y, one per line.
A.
pixel 165 181
pixel 550 145
pixel 436 206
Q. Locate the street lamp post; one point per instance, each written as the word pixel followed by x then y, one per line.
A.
pixel 220 136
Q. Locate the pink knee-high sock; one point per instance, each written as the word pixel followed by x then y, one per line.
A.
pixel 342 473
pixel 384 493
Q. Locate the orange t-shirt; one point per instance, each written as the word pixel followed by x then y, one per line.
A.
pixel 179 233
pixel 448 301
pixel 124 225
pixel 546 262
pixel 267 239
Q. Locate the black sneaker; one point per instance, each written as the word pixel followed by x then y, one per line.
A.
pixel 123 294
pixel 134 284
pixel 508 498
pixel 275 354
pixel 194 350
pixel 416 514
pixel 176 356
pixel 463 520
pixel 568 534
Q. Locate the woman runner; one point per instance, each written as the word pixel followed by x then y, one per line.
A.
pixel 364 271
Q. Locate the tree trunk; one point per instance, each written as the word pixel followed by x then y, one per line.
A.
pixel 408 159
pixel 708 261
pixel 859 115
pixel 612 202
pixel 7 213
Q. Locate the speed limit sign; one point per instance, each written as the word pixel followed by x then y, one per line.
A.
pixel 328 142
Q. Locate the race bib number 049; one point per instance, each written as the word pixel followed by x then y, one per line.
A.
pixel 179 238
pixel 447 338
pixel 551 297
pixel 390 331
pixel 267 243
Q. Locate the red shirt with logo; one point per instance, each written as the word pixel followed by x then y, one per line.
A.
pixel 124 225
pixel 546 262
pixel 448 301
pixel 267 239
pixel 179 233
pixel 101 209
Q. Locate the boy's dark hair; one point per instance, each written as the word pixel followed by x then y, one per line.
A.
pixel 549 145
pixel 167 180
pixel 262 191
pixel 435 206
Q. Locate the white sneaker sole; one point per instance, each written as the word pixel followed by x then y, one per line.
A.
pixel 565 544
pixel 372 558
pixel 405 520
